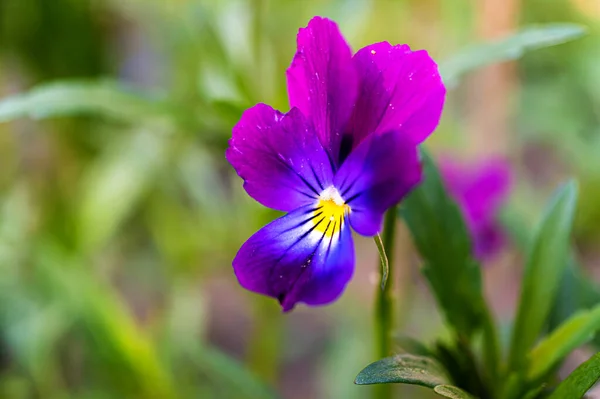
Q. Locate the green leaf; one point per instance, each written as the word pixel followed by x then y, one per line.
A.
pixel 579 381
pixel 573 333
pixel 509 48
pixel 413 370
pixel 441 237
pixel 577 291
pixel 547 260
pixel 452 392
pixel 115 183
pixel 406 369
pixel 103 98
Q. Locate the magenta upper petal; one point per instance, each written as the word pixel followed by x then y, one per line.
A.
pixel 377 175
pixel 293 261
pixel 279 157
pixel 322 81
pixel 400 90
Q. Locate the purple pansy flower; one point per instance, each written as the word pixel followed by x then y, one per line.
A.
pixel 480 189
pixel 344 154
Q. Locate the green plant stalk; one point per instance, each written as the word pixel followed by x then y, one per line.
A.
pixel 264 349
pixel 384 319
pixel 491 350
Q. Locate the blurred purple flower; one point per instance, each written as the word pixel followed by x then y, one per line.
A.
pixel 344 154
pixel 480 189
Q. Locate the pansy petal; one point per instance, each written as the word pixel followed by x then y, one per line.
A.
pixel 322 81
pixel 279 157
pixel 488 239
pixel 377 175
pixel 294 260
pixel 400 90
pixel 480 189
pixel 490 187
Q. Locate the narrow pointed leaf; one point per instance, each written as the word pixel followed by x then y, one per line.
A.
pixel 66 98
pixel 547 260
pixel 120 177
pixel 577 291
pixel 509 48
pixel 573 333
pixel 441 237
pixel 579 381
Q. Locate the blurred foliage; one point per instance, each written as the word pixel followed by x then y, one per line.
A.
pixel 62 38
pixel 119 216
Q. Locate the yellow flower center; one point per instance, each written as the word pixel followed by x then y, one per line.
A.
pixel 330 213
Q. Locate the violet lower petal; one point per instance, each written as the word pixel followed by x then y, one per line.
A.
pixel 297 258
pixel 322 81
pixel 399 90
pixel 279 157
pixel 376 176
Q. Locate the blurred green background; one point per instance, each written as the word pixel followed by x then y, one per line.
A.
pixel 119 217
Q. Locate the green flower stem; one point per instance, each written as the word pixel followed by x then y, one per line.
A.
pixel 384 303
pixel 265 342
pixel 491 349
